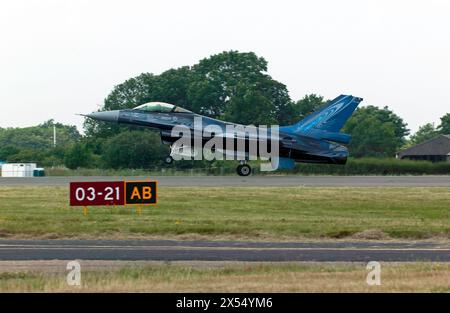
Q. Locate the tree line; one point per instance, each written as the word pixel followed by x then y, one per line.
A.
pixel 230 86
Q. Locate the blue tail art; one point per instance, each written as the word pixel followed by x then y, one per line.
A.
pixel 327 122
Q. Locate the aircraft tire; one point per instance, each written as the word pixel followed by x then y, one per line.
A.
pixel 168 159
pixel 244 170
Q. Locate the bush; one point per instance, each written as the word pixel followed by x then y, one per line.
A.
pixel 374 166
pixel 134 149
pixel 78 155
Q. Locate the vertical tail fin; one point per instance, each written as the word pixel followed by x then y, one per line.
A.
pixel 332 117
pixel 327 122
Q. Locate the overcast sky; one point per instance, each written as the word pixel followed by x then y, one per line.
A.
pixel 61 57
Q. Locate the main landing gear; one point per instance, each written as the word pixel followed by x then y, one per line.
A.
pixel 243 169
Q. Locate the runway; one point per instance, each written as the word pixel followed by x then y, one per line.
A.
pixel 251 181
pixel 173 250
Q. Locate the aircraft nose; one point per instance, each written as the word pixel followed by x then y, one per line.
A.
pixel 107 116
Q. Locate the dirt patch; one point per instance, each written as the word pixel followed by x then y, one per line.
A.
pixel 5 233
pixel 371 234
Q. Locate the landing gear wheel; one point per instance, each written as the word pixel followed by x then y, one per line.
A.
pixel 168 159
pixel 243 170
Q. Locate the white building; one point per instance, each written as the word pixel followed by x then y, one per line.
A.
pixel 18 169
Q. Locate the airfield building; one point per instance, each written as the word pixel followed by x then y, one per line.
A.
pixel 434 150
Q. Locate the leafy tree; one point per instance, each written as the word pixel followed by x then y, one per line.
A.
pixel 134 149
pixel 7 151
pixel 171 86
pixel 425 132
pixel 27 155
pixel 241 108
pixel 444 128
pixel 39 137
pixel 218 80
pixel 215 79
pixel 129 94
pixel 218 86
pixel 78 155
pixel 278 95
pixel 375 132
pixel 36 143
pixel 305 106
pixel 132 92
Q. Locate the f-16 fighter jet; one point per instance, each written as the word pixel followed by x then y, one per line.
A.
pixel 315 139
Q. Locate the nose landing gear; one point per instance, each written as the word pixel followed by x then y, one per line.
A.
pixel 168 159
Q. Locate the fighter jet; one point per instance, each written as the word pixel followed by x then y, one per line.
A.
pixel 314 139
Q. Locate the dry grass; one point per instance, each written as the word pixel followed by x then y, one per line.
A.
pixel 239 277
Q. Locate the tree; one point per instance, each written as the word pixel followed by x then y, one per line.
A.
pixel 375 132
pixel 219 80
pixel 36 143
pixel 242 109
pixel 171 86
pixel 425 132
pixel 134 149
pixel 215 79
pixel 7 151
pixel 444 128
pixel 129 94
pixel 27 155
pixel 218 86
pixel 305 106
pixel 78 155
pixel 39 137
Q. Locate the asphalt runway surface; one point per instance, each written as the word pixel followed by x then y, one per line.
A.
pixel 174 250
pixel 251 181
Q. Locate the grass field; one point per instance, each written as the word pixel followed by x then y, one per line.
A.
pixel 280 277
pixel 238 213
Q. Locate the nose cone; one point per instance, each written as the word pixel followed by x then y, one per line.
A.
pixel 107 116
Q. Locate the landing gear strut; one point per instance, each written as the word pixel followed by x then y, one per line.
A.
pixel 243 169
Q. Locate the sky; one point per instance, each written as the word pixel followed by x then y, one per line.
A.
pixel 60 57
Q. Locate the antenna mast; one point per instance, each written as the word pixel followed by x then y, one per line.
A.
pixel 54 136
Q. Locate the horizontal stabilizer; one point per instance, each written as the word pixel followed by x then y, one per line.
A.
pixel 335 137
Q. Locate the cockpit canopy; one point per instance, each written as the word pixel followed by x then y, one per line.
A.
pixel 161 107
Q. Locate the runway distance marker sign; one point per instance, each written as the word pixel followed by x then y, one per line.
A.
pixel 97 193
pixel 141 192
pixel 113 193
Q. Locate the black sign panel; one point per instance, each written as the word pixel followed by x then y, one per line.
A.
pixel 141 192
